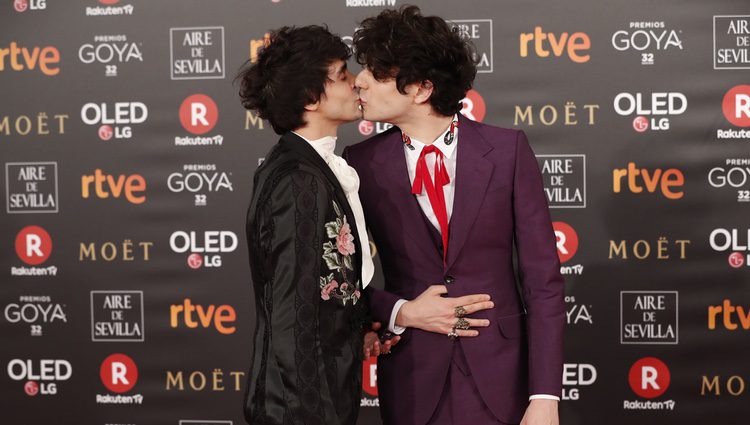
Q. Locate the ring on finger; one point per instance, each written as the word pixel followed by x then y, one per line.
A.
pixel 462 324
pixel 452 334
pixel 460 311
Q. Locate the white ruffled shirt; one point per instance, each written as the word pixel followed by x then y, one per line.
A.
pixel 349 181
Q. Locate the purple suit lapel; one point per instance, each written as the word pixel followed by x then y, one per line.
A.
pixel 473 173
pixel 395 178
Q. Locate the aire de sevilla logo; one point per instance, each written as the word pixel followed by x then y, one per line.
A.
pixel 118 373
pixel 649 377
pixel 198 114
pixel 736 105
pixel 566 240
pixel 33 245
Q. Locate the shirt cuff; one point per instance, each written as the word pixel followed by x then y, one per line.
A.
pixel 398 330
pixel 544 397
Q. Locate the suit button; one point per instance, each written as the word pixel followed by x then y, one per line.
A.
pixel 449 279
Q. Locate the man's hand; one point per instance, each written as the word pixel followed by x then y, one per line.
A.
pixel 432 313
pixel 372 345
pixel 541 412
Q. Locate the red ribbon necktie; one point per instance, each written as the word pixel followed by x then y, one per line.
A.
pixel 434 190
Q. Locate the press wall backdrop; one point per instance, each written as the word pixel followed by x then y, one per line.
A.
pixel 127 162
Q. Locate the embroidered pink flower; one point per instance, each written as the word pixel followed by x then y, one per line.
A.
pixel 325 292
pixel 345 240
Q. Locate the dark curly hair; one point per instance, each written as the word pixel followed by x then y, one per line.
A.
pixel 291 72
pixel 412 48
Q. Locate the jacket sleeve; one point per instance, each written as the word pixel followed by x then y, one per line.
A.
pixel 379 302
pixel 539 270
pixel 291 222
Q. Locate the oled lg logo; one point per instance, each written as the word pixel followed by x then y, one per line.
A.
pixel 23 5
pixel 114 121
pixel 652 111
pixel 42 376
pixel 206 249
pixel 723 240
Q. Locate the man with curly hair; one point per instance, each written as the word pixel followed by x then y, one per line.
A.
pixel 308 246
pixel 447 199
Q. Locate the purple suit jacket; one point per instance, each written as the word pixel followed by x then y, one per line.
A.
pixel 499 201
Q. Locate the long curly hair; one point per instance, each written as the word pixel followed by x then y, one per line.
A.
pixel 290 72
pixel 412 48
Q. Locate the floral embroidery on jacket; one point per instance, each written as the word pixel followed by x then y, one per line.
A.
pixel 337 253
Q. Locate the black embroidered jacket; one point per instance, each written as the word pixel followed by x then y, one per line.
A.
pixel 305 261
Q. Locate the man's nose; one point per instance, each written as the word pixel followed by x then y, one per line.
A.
pixel 359 82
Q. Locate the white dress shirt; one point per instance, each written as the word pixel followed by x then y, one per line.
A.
pixel 349 181
pixel 449 190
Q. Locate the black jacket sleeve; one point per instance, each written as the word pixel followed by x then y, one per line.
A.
pixel 289 225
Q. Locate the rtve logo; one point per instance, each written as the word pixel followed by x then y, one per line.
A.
pixel 573 45
pixel 728 312
pixel 220 318
pixel 22 58
pixel 132 186
pixel 640 178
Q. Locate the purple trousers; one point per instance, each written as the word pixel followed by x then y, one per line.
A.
pixel 460 402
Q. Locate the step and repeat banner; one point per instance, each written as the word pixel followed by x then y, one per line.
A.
pixel 127 162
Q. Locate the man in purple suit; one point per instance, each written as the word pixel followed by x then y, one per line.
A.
pixel 447 199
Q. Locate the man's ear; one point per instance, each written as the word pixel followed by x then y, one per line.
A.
pixel 312 106
pixel 424 91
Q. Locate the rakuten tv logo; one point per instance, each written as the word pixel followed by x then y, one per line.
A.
pixel 118 373
pixel 198 114
pixel 575 46
pixel 33 245
pixel 22 59
pixel 205 249
pixel 132 187
pixel 736 105
pixel 473 106
pixel 566 240
pixel 370 382
pixel 666 181
pixel 649 377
